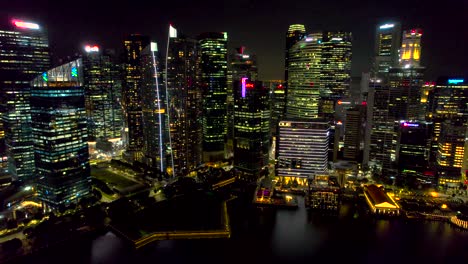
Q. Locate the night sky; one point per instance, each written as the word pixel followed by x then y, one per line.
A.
pixel 259 25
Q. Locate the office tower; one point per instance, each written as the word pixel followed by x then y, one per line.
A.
pixel 277 99
pixel 410 52
pixel 302 150
pixel 251 127
pixel 387 43
pixel 24 53
pixel 353 133
pixel 241 64
pixel 451 148
pixel 296 32
pixel 303 92
pixel 335 74
pixel 102 94
pixel 379 146
pixel 154 111
pixel 59 130
pixel 412 151
pixel 213 80
pixel 131 93
pixel 184 103
pixel 405 93
pixel 446 101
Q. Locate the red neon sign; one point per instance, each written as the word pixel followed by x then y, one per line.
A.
pixel 249 85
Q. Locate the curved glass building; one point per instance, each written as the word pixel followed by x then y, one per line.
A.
pixel 304 78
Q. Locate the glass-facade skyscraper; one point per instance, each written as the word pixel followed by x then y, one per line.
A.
pixel 59 130
pixel 251 127
pixel 296 32
pixel 241 64
pixel 131 93
pixel 213 80
pixel 102 95
pixel 335 73
pixel 185 100
pixel 387 44
pixel 303 92
pixel 24 53
pixel 154 110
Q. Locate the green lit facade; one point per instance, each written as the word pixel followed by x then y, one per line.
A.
pixel 59 130
pixel 296 32
pixel 24 53
pixel 213 80
pixel 303 92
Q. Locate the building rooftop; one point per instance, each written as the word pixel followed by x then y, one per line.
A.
pixel 378 197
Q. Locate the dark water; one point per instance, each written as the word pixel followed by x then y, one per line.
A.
pixel 287 236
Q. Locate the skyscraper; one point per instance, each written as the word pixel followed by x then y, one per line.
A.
pixel 451 147
pixel 353 133
pixel 277 103
pixel 154 110
pixel 296 32
pixel 410 52
pixel 387 43
pixel 303 92
pixel 102 89
pixel 241 65
pixel 335 71
pixel 405 93
pixel 24 53
pixel 302 150
pixel 335 76
pixel 251 127
pixel 213 71
pixel 131 92
pixel 413 148
pixel 59 130
pixel 185 99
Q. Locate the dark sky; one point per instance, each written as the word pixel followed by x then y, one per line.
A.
pixel 260 25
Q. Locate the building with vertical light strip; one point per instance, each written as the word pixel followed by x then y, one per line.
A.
pixel 303 92
pixel 59 130
pixel 296 32
pixel 213 79
pixel 251 128
pixel 387 44
pixel 302 150
pixel 184 109
pixel 102 90
pixel 24 53
pixel 154 110
pixel 410 52
pixel 131 93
